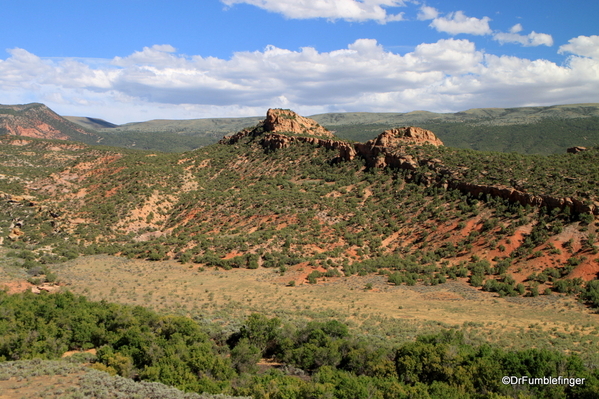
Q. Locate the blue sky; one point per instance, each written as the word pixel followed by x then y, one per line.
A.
pixel 132 60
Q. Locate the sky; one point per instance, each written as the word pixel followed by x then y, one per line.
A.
pixel 133 60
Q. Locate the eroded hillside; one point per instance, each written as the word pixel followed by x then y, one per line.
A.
pixel 38 121
pixel 289 194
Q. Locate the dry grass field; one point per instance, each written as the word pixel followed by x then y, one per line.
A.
pixel 384 311
pixel 368 304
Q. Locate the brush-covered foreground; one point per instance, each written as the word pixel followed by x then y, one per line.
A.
pixel 311 360
pixel 70 379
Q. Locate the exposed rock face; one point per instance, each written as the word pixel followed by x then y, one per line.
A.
pixel 278 122
pixel 15 234
pixel 516 196
pixel 575 150
pixel 385 150
pixel 405 135
pixel 283 120
pixel 235 137
pixel 347 151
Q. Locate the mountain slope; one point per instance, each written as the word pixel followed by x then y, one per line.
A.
pixel 38 121
pixel 261 198
pixel 91 123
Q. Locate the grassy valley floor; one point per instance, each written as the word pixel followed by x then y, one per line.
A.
pixel 385 312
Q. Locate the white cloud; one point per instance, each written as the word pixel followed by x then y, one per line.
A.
pixel 159 54
pixel 457 22
pixel 587 46
pixel 427 13
pixel 157 82
pixel 22 68
pixel 349 10
pixel 516 28
pixel 537 39
pixel 530 40
pixel 449 56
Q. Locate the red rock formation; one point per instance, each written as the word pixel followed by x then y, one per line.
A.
pixel 409 135
pixel 235 137
pixel 386 151
pixel 16 126
pixel 275 141
pixel 283 120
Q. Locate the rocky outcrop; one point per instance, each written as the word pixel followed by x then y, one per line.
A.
pixel 15 233
pixel 575 150
pixel 409 135
pixel 388 150
pixel 284 120
pixel 235 137
pixel 275 141
pixel 283 127
pixel 281 121
pixel 47 287
pixel 516 196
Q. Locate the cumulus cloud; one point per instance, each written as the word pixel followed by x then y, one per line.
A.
pixel 349 10
pixel 457 22
pixel 516 28
pixel 586 46
pixel 159 54
pixel 427 13
pixel 530 40
pixel 449 56
pixel 157 82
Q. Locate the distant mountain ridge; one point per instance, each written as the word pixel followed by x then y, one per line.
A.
pixel 488 116
pixel 529 130
pixel 491 116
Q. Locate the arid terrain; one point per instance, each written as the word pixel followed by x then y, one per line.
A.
pixel 285 252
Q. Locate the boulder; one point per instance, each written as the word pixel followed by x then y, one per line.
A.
pixel 15 233
pixel 575 150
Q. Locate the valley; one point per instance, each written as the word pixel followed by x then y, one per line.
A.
pixel 402 240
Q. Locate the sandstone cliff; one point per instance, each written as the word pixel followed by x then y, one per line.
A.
pixel 409 135
pixel 282 120
pixel 386 148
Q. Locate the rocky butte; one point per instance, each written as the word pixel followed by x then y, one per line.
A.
pixel 287 121
pixel 282 128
